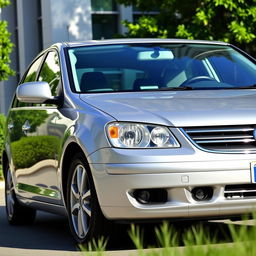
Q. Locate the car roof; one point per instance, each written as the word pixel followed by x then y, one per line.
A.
pixel 139 40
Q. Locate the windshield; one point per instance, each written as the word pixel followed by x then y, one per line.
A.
pixel 141 67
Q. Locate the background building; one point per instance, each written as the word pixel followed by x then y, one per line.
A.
pixel 36 24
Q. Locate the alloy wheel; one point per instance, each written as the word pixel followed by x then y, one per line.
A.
pixel 80 201
pixel 10 194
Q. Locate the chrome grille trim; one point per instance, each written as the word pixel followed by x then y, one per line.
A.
pixel 240 191
pixel 219 130
pixel 223 139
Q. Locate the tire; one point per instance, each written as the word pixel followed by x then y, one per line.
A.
pixel 17 214
pixel 86 220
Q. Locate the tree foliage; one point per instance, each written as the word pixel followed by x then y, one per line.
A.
pixel 232 21
pixel 5 47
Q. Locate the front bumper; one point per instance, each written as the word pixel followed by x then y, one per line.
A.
pixel 115 183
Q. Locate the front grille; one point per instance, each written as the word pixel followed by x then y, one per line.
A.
pixel 226 139
pixel 240 191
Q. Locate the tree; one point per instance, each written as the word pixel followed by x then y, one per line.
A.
pixel 232 21
pixel 5 47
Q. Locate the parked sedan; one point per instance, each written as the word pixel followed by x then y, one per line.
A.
pixel 131 130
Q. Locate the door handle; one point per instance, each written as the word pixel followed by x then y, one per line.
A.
pixel 26 127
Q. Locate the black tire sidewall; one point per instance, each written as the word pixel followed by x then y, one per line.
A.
pixel 21 213
pixel 97 219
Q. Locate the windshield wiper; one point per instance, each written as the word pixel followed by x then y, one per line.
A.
pixel 253 86
pixel 183 88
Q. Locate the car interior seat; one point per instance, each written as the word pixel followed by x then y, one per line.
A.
pixel 93 81
pixel 146 84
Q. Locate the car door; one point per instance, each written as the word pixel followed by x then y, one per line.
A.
pixel 34 151
pixel 18 115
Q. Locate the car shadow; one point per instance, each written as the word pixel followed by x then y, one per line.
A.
pixel 51 232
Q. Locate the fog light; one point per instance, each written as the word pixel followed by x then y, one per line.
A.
pixel 143 196
pixel 151 196
pixel 202 193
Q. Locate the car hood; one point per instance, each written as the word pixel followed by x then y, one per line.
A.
pixel 179 108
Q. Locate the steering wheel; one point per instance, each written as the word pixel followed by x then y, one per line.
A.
pixel 197 79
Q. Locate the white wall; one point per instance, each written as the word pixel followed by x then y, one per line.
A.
pixel 29 44
pixel 66 20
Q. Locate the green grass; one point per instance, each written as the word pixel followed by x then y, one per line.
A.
pixel 97 247
pixel 196 240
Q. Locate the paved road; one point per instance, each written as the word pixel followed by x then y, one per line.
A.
pixel 48 236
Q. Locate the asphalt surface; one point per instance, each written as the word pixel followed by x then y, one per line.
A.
pixel 48 236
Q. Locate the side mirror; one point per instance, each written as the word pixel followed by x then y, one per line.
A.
pixel 35 92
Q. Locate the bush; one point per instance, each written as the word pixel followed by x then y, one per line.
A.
pixel 2 123
pixel 25 155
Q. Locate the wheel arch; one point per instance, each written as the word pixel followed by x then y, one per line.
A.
pixel 72 148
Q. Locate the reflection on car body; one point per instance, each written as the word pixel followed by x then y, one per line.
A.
pixel 132 129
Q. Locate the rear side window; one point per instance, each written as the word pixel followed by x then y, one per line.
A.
pixel 50 72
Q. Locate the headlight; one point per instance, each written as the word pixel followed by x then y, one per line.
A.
pixel 132 135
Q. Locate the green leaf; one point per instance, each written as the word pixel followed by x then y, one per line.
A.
pixel 232 21
pixel 5 47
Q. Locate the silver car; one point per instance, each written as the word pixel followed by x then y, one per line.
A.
pixel 132 130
